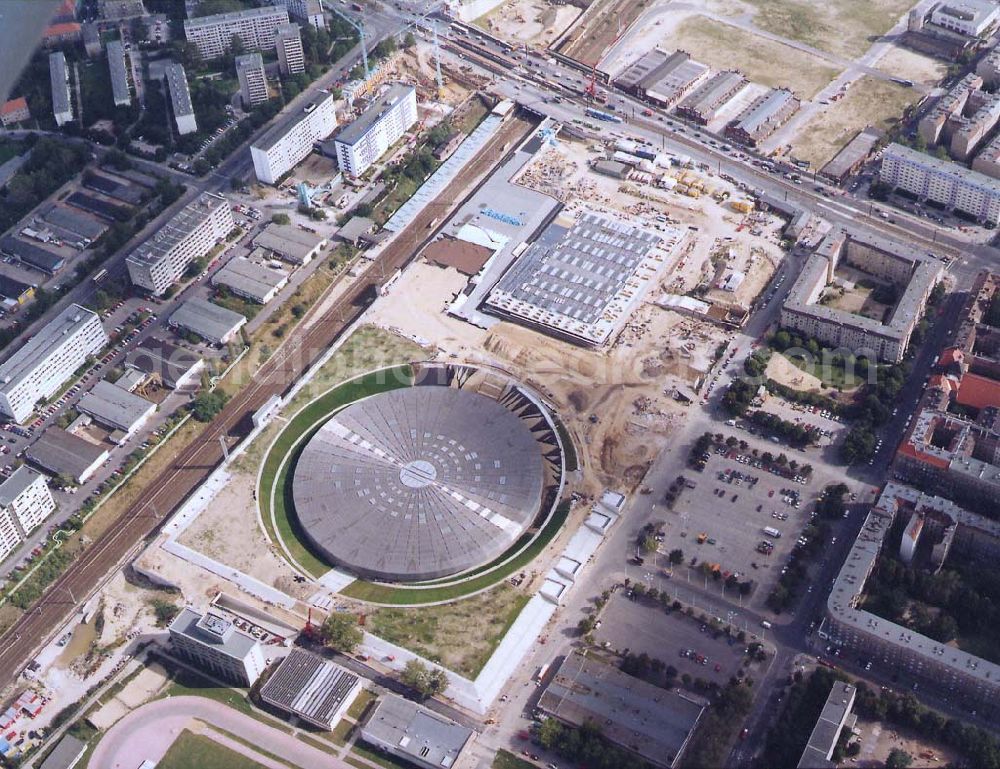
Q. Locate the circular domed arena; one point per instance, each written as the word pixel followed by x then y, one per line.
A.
pixel 422 482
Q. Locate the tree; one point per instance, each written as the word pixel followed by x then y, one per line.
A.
pixel 426 681
pixel 409 40
pixel 281 219
pixel 676 556
pixel 340 631
pixel 898 759
pixel 207 405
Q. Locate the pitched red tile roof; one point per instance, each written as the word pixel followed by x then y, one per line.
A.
pixel 14 105
pixel 978 391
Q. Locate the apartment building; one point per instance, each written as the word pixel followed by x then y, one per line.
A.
pixel 279 150
pixel 765 115
pixel 119 75
pixel 305 11
pixel 932 126
pixel 180 99
pixel 879 257
pixel 62 106
pixel 288 42
pixel 25 498
pixel 949 184
pixel 384 122
pixel 987 162
pixel 255 27
pixel 39 368
pixel 988 68
pixel 159 262
pixel 213 643
pixel 14 111
pixel 253 83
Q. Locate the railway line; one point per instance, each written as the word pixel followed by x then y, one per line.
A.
pixel 290 361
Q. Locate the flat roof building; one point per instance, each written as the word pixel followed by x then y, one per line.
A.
pixel 662 77
pixel 212 323
pixel 214 644
pixel 765 115
pixel 311 688
pixel 653 723
pixel 116 408
pixel 119 75
pixel 251 280
pixel 288 44
pixel 74 222
pixel 25 503
pixel 851 157
pixel 255 27
pixel 180 99
pixel 190 234
pixel 836 714
pixel 49 357
pixel 253 83
pixel 941 181
pixel 972 18
pixel 34 256
pixel 61 453
pixel 415 734
pixel 62 105
pixel 291 243
pixel 290 142
pixel 306 11
pixel 365 140
pixel 66 754
pixel 172 365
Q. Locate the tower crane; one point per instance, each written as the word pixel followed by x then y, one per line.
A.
pixel 360 27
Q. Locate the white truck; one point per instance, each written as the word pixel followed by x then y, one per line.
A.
pixel 772 532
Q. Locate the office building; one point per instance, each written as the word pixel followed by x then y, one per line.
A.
pixel 765 115
pixel 311 688
pixel 290 243
pixel 25 503
pixel 285 145
pixel 655 724
pixel 58 452
pixel 379 127
pixel 288 42
pixel 62 106
pixel 253 83
pixel 971 18
pixel 305 11
pixel 943 182
pixel 255 27
pixel 50 356
pixel 251 280
pixel 116 408
pixel 119 74
pixel 14 111
pixel 663 78
pixel 214 644
pixel 891 262
pixel 161 261
pixel 180 99
pixel 415 734
pixel 836 715
pixel 213 323
pixel 898 651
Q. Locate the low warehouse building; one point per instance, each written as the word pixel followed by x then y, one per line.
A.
pixel 61 453
pixel 209 321
pixel 116 408
pixel 290 243
pixel 415 734
pixel 173 366
pixel 251 280
pixel 311 688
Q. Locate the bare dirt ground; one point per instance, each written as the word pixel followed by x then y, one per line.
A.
pixel 604 23
pixel 781 370
pixel 878 739
pixel 902 62
pixel 529 21
pixel 416 65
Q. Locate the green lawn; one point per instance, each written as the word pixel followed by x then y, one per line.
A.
pixel 382 759
pixel 341 732
pixel 506 760
pixel 191 751
pixel 833 374
pixel 360 704
pixel 185 683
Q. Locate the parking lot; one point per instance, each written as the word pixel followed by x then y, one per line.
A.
pixel 831 428
pixel 641 627
pixel 721 521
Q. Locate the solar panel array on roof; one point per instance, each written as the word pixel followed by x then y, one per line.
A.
pixel 314 689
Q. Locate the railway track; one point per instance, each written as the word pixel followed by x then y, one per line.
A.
pixel 173 486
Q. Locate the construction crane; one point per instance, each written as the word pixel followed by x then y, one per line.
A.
pixel 437 65
pixel 360 27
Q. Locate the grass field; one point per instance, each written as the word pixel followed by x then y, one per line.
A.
pixel 460 635
pixel 193 750
pixel 382 759
pixel 842 27
pixel 869 101
pixel 506 760
pixel 9 149
pixel 763 61
pixel 832 375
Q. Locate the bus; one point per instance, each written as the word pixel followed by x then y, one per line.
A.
pixel 101 275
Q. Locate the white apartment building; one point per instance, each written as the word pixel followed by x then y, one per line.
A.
pixel 10 537
pixel 288 42
pixel 366 139
pixel 62 107
pixel 48 359
pixel 190 234
pixel 286 144
pixel 972 18
pixel 26 498
pixel 306 11
pixel 253 83
pixel 212 642
pixel 180 99
pixel 255 27
pixel 941 181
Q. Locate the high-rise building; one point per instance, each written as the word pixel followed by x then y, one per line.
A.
pixel 305 11
pixel 285 145
pixel 255 27
pixel 253 83
pixel 62 107
pixel 212 642
pixel 26 498
pixel 159 262
pixel 119 75
pixel 180 99
pixel 366 139
pixel 39 368
pixel 288 41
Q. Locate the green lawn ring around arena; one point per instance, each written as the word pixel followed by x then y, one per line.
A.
pixel 277 509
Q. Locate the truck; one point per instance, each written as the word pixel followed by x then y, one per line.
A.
pixel 601 115
pixel 772 532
